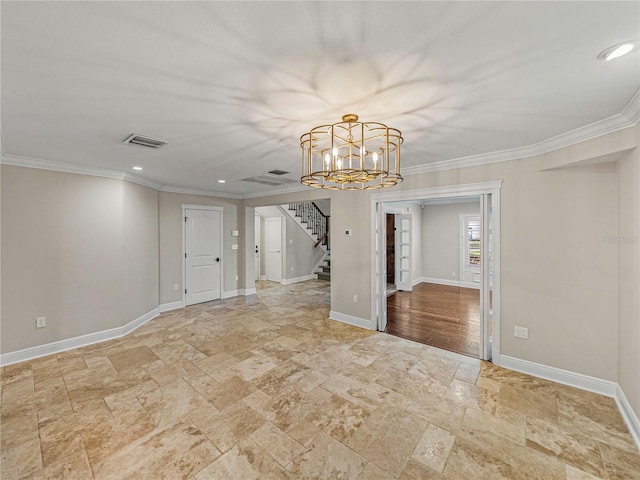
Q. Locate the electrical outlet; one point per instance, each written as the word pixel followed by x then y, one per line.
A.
pixel 355 299
pixel 237 277
pixel 521 332
pixel 292 269
pixel 175 287
pixel 453 274
pixel 41 322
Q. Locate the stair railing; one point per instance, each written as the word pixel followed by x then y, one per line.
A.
pixel 316 221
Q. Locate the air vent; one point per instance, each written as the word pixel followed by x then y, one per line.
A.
pixel 148 142
pixel 271 180
pixel 276 172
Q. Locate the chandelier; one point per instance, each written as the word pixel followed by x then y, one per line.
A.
pixel 351 155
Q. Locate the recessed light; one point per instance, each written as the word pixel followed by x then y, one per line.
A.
pixel 137 168
pixel 616 51
pixel 222 181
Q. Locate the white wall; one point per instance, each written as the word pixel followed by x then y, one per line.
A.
pixel 441 239
pixel 78 250
pixel 139 250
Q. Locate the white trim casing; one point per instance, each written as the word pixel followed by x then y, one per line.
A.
pixel 76 342
pixel 352 320
pixel 468 189
pixel 581 381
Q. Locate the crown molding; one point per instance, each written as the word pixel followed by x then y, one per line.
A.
pixel 195 191
pixel 141 181
pixel 278 191
pixel 629 117
pixel 30 162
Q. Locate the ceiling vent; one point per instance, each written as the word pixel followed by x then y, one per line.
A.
pixel 276 172
pixel 148 142
pixel 271 179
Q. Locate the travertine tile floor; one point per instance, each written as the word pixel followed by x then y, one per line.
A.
pixel 266 387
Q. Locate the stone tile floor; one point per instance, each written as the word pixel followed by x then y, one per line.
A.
pixel 266 387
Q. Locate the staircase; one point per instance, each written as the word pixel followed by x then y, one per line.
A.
pixel 316 224
pixel 325 268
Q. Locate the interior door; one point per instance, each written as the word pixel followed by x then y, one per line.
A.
pixel 258 247
pixel 380 268
pixel 203 255
pixel 391 248
pixel 470 248
pixel 487 295
pixel 403 253
pixel 274 248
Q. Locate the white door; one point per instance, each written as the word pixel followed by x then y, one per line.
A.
pixel 403 253
pixel 258 246
pixel 203 255
pixel 381 267
pixel 274 248
pixel 470 249
pixel 487 293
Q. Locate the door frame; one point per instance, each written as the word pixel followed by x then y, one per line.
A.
pixel 485 190
pixel 186 207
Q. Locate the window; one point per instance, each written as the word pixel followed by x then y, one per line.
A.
pixel 472 241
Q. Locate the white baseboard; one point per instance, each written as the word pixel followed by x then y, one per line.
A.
pixel 75 342
pixel 578 380
pixel 263 277
pixel 289 281
pixel 238 292
pixel 629 416
pixel 445 281
pixel 165 307
pixel 351 320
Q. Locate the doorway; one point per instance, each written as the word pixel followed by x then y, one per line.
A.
pixel 489 292
pixel 273 236
pixel 202 253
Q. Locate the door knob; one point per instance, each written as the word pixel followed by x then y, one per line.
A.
pixel 217 259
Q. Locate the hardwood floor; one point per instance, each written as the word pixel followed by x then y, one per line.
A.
pixel 438 315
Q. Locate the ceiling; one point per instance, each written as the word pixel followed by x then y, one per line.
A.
pixel 232 85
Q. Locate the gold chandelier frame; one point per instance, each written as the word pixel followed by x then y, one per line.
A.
pixel 351 155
